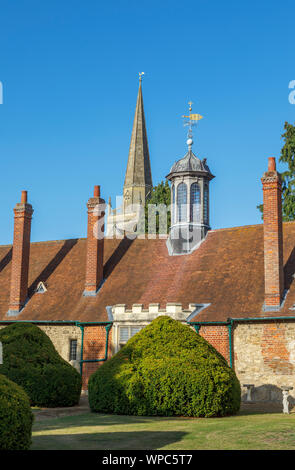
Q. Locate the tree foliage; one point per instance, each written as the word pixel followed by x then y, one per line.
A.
pixel 166 369
pixel 288 177
pixel 16 417
pixel 31 360
pixel 160 195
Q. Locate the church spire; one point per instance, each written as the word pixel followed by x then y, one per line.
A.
pixel 138 177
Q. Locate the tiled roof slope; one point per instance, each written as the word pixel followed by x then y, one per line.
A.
pixel 226 271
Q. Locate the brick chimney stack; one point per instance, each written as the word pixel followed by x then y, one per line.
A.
pixel 95 243
pixel 20 255
pixel 273 237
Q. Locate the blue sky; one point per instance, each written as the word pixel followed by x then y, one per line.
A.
pixel 69 71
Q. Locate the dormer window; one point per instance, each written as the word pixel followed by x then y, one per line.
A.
pixel 41 288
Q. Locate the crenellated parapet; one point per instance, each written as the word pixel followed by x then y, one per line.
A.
pixel 138 313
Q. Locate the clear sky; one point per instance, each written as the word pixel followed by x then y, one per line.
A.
pixel 69 70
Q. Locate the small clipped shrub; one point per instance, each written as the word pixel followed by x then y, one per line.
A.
pixel 165 369
pixel 16 417
pixel 31 360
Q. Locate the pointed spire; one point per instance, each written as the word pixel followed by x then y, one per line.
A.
pixel 138 177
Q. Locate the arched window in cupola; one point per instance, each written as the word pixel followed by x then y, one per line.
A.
pixel 206 204
pixel 195 203
pixel 181 202
pixel 173 203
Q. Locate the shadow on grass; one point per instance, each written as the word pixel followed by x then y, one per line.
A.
pixel 136 440
pixel 93 419
pixel 255 412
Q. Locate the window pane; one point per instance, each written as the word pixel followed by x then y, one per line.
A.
pixel 134 330
pixel 195 203
pixel 181 202
pixel 73 350
pixel 124 334
pixel 206 194
pixel 173 204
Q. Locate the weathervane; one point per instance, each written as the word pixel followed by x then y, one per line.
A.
pixel 190 121
pixel 140 75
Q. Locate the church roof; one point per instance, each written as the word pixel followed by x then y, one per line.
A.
pixel 226 271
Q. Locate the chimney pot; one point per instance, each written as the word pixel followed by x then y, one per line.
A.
pixel 96 191
pixel 24 197
pixel 271 164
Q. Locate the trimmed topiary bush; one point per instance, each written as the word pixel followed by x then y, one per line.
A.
pixel 165 369
pixel 31 360
pixel 16 417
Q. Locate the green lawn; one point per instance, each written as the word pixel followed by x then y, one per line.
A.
pixel 108 432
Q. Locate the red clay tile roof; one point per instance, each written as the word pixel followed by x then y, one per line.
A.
pixel 227 271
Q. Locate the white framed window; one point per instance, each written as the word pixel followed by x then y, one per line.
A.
pixel 73 349
pixel 126 332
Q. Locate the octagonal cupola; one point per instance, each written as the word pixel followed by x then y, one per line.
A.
pixel 189 177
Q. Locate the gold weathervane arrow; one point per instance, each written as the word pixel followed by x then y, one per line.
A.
pixel 193 117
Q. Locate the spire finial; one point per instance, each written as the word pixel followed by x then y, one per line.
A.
pixel 140 76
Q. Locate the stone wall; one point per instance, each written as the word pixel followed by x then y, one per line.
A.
pixel 264 355
pixel 61 335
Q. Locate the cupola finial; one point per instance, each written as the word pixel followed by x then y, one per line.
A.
pixel 190 121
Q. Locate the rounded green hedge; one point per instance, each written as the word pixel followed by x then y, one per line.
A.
pixel 16 417
pixel 165 369
pixel 31 360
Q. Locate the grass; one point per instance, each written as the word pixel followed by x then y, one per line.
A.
pixel 92 431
